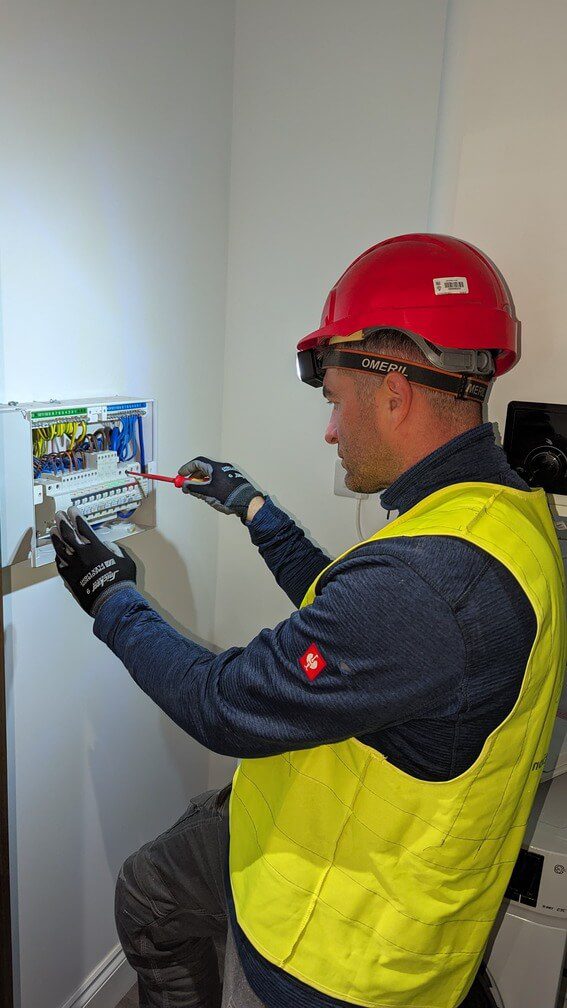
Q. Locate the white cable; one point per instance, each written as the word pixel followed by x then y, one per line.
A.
pixel 358 525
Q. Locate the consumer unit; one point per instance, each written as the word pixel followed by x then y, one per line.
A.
pixel 88 453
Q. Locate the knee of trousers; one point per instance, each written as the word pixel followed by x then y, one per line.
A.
pixel 136 904
pixel 154 931
pixel 135 915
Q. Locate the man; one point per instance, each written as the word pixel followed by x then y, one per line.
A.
pixel 392 730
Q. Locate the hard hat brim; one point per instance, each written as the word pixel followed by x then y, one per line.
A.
pixel 467 327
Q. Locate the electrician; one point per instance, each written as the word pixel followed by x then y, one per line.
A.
pixel 391 731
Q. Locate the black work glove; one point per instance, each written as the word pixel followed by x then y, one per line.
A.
pixel 226 489
pixel 91 570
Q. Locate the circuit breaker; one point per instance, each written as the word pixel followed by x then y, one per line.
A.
pixel 87 453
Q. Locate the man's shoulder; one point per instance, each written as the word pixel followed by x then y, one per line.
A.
pixel 447 564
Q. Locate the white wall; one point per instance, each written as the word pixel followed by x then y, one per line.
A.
pixel 500 171
pixel 115 125
pixel 335 113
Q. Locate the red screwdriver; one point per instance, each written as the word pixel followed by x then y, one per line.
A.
pixel 178 481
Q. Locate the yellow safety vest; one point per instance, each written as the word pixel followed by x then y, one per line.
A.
pixel 368 884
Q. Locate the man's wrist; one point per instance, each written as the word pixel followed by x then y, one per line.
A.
pixel 106 594
pixel 254 506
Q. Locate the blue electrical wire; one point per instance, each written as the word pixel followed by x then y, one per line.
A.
pixel 120 439
pixel 142 448
pixel 133 438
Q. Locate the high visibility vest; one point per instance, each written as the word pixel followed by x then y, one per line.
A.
pixel 366 883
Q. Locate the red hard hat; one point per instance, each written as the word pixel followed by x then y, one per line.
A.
pixel 433 286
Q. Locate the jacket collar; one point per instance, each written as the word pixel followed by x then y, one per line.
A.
pixel 469 457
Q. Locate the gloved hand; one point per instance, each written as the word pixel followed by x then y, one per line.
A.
pixel 91 570
pixel 227 490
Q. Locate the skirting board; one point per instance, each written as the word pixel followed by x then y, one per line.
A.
pixel 106 985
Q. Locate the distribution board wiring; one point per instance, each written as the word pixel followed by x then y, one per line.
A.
pixel 61 447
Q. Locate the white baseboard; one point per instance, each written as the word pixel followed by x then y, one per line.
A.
pixel 106 985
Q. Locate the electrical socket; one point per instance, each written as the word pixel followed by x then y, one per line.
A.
pixel 340 488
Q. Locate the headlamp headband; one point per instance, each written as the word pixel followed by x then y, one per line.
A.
pixel 312 364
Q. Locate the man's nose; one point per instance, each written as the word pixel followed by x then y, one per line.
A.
pixel 331 432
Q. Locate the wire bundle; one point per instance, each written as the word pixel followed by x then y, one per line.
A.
pixel 122 437
pixel 57 463
pixel 54 435
pixel 58 448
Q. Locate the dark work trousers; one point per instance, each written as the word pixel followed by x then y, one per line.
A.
pixel 172 920
pixel 171 914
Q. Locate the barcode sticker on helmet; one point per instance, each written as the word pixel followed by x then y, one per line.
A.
pixel 451 285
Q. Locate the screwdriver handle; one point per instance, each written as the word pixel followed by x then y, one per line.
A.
pixel 178 481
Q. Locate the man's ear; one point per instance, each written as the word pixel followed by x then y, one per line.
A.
pixel 400 396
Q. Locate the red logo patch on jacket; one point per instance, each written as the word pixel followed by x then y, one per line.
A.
pixel 312 662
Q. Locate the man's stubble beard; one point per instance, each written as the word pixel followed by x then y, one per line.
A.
pixel 378 468
pixel 380 464
pixel 371 482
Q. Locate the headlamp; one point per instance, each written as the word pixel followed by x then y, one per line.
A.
pixel 309 370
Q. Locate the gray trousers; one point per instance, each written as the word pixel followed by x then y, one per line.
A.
pixel 171 914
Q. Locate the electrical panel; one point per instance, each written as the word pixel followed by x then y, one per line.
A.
pixel 91 454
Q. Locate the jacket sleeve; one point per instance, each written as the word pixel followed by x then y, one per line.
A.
pixel 294 561
pixel 387 661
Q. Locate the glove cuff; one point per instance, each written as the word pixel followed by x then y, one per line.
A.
pixel 101 599
pixel 239 501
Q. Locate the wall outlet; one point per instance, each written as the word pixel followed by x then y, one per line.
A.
pixel 340 489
